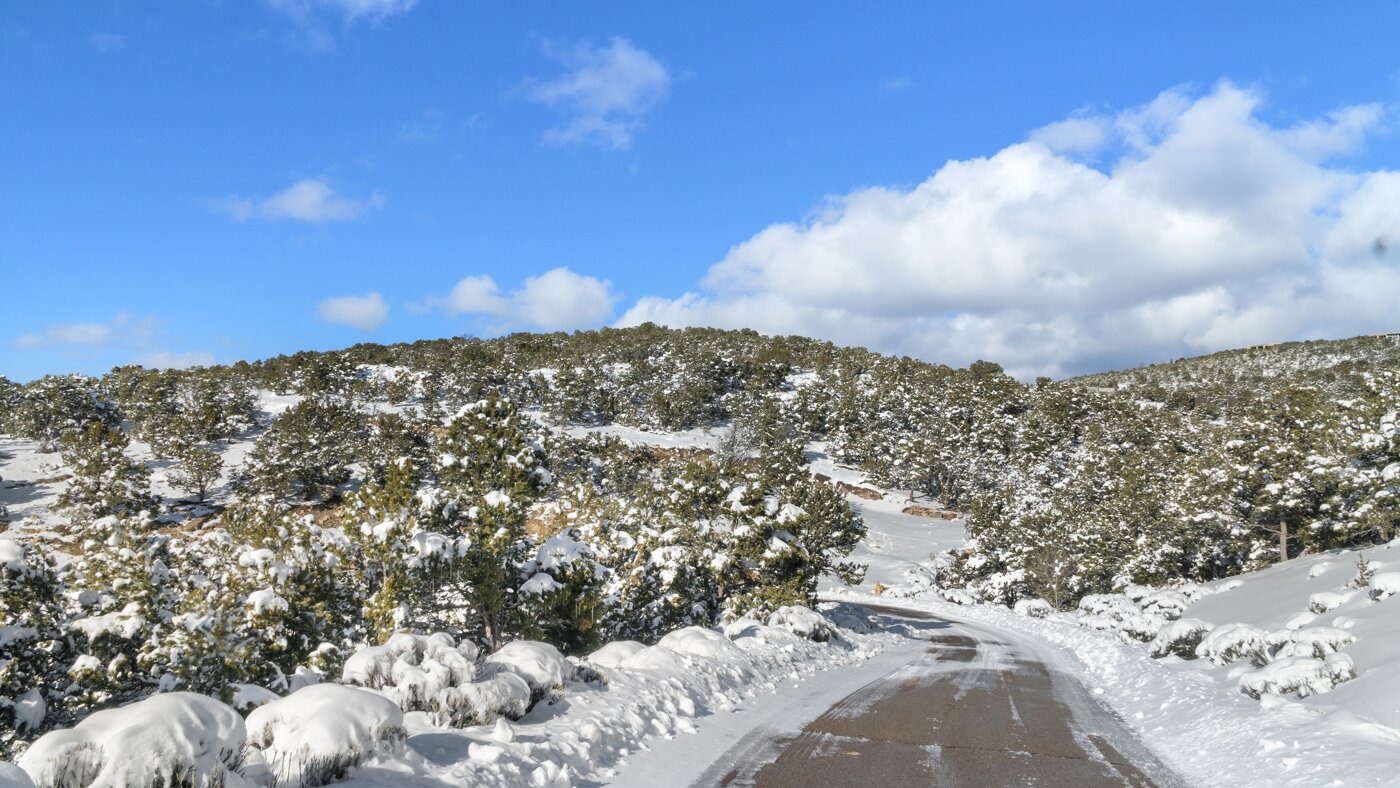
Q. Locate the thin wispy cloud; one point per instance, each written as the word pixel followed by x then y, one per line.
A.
pixel 108 43
pixel 605 95
pixel 124 329
pixel 367 312
pixel 307 200
pixel 317 21
pixel 897 84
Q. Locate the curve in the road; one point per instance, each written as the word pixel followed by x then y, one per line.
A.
pixel 975 709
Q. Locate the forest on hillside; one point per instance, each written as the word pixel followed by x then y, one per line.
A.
pixel 429 487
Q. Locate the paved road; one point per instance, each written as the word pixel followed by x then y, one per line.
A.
pixel 975 709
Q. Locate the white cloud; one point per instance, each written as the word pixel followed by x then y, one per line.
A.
pixel 165 359
pixel 606 94
pixel 307 200
pixel 123 329
pixel 555 300
pixel 108 43
pixel 1206 228
pixel 897 84
pixel 367 311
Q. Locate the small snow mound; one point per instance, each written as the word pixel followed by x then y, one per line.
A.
pixel 1317 642
pixel 1232 642
pixel 1033 608
pixel 176 738
pixel 250 696
pixel 318 733
pixel 615 653
pixel 700 642
pixel 1385 584
pixel 1301 675
pixel 803 622
pixel 1324 601
pixel 1180 637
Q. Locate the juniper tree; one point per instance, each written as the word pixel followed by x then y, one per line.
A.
pixel 490 473
pixel 105 480
pixel 199 468
pixel 33 650
pixel 306 452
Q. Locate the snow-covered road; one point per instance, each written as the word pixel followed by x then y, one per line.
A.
pixel 970 705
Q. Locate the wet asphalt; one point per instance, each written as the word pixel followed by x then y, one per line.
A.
pixel 972 710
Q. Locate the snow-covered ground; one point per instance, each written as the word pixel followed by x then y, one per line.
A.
pixel 1194 713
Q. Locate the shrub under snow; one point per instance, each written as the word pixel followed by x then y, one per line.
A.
pixel 541 665
pixel 1232 642
pixel 803 622
pixel 1317 642
pixel 176 738
pixel 1034 608
pixel 317 733
pixel 1180 637
pixel 1139 627
pixel 1385 584
pixel 1168 604
pixel 1302 675
pixel 1324 601
pixel 435 674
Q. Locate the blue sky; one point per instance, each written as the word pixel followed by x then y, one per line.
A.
pixel 1061 187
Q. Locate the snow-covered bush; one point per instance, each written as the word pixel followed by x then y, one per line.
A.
pixel 541 665
pixel 177 738
pixel 959 596
pixel 1180 637
pixel 318 733
pixel 1139 627
pixel 435 674
pixel 1232 642
pixel 1317 642
pixel 1115 606
pixel 803 622
pixel 1169 604
pixel 1324 601
pixel 1384 584
pixel 1033 608
pixel 1302 675
pixel 504 695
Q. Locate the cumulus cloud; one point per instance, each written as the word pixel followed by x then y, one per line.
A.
pixel 165 359
pixel 123 329
pixel 367 311
pixel 307 200
pixel 555 300
pixel 1204 227
pixel 605 95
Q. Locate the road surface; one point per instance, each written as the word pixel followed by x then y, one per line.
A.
pixel 976 708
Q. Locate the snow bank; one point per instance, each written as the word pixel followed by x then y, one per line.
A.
pixel 700 642
pixel 178 738
pixel 316 734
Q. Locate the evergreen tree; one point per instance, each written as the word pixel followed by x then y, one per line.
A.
pixel 105 480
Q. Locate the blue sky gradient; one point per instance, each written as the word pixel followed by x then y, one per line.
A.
pixel 143 144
